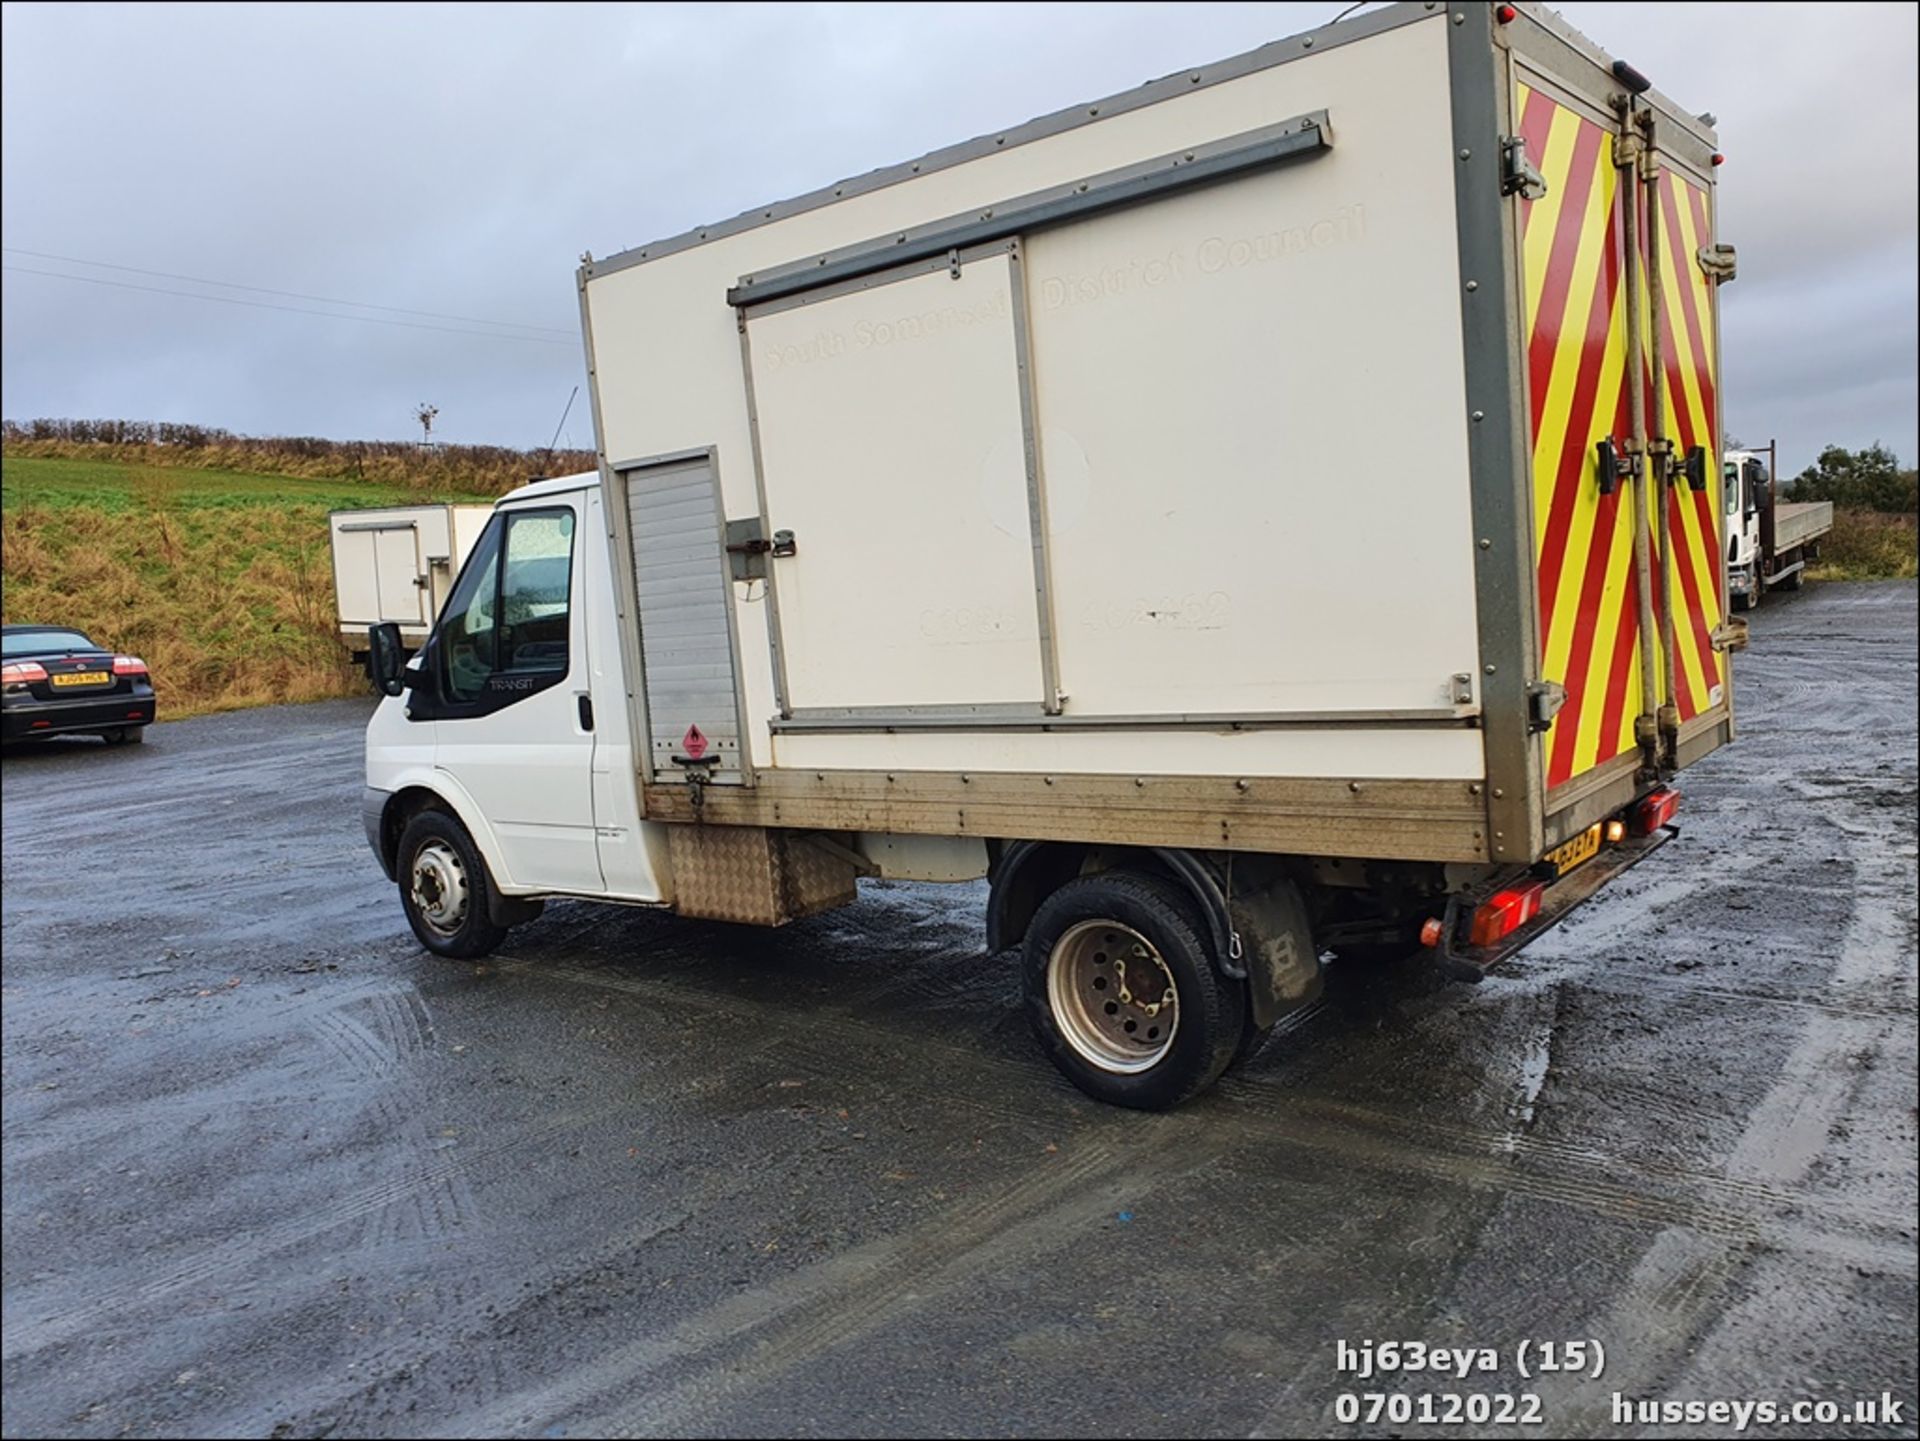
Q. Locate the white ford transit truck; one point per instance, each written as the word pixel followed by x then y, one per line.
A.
pixel 1221 515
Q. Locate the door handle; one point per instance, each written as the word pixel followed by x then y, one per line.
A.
pixel 586 711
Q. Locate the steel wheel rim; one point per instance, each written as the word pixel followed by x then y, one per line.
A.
pixel 438 884
pixel 1113 997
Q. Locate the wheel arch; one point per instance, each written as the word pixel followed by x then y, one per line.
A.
pixel 1027 872
pixel 417 789
pixel 1263 936
pixel 411 799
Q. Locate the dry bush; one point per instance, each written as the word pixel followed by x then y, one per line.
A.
pixel 1869 545
pixel 229 608
pixel 445 470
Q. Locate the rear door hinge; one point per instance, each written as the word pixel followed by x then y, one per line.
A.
pixel 1719 261
pixel 1544 699
pixel 1517 175
pixel 1730 635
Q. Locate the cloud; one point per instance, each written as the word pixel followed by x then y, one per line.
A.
pixel 458 160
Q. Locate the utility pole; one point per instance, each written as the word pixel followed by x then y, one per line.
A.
pixel 425 413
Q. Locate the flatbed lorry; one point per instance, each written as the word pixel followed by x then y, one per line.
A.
pixel 1217 515
pixel 1770 542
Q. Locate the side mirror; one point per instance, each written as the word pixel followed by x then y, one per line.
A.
pixel 386 658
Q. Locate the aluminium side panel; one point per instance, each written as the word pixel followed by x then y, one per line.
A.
pixel 1219 375
pixel 669 374
pixel 687 659
pixel 897 466
pixel 1493 395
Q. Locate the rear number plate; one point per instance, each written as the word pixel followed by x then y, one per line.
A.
pixel 1581 849
pixel 81 677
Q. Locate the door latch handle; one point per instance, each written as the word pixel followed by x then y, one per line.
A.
pixel 586 711
pixel 1611 466
pixel 782 544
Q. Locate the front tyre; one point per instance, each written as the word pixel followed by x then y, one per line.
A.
pixel 444 888
pixel 1123 996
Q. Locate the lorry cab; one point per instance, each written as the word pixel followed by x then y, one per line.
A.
pixel 1748 489
pixel 513 720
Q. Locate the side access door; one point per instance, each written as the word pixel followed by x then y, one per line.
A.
pixel 506 680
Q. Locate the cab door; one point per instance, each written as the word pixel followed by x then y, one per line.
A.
pixel 506 677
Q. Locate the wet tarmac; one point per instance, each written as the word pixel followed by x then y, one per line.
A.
pixel 272 1170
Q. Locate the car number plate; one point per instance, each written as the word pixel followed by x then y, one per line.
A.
pixel 81 677
pixel 1576 852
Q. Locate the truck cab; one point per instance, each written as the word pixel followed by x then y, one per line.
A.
pixel 512 720
pixel 1749 488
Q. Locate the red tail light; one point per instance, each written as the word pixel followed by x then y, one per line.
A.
pixel 129 665
pixel 1506 912
pixel 1655 811
pixel 22 672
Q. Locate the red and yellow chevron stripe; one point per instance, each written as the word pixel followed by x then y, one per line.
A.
pixel 1577 378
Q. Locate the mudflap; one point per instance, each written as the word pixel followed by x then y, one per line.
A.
pixel 1562 898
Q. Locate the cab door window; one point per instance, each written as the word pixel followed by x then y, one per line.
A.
pixel 504 633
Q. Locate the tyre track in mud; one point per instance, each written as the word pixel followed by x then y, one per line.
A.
pixel 1727 1206
pixel 1414 1165
pixel 782 1325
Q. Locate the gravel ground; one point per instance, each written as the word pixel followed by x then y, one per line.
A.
pixel 270 1169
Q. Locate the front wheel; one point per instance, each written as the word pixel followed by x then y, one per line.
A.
pixel 444 888
pixel 1123 996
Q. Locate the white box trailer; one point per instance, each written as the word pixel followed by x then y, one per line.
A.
pixel 397 563
pixel 1218 513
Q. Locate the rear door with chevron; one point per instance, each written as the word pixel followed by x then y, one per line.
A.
pixel 1575 261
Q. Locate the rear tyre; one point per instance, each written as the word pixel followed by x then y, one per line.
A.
pixel 1792 582
pixel 1123 996
pixel 444 888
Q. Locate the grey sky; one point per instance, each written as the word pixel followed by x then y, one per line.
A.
pixel 458 159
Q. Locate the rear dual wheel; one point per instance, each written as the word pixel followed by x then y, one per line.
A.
pixel 1123 995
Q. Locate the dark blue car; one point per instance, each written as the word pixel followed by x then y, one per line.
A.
pixel 55 681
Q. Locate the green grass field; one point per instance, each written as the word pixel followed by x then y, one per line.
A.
pixel 221 579
pixel 116 486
